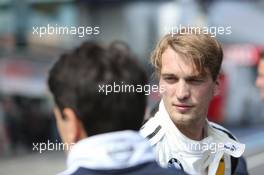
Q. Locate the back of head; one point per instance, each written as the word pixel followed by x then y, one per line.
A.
pixel 78 80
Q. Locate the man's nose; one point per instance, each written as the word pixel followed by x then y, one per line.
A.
pixel 182 90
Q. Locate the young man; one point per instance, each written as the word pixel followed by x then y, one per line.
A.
pixel 260 76
pixel 187 66
pixel 103 127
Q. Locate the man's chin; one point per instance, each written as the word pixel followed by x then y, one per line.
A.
pixel 182 118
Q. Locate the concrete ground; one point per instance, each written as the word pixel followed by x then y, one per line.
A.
pixel 34 163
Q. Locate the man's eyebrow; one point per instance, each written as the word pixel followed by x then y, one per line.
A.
pixel 167 74
pixel 187 77
pixel 195 77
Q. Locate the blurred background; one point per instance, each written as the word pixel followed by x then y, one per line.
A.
pixel 25 58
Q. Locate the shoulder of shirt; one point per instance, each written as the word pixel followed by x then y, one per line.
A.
pixel 146 168
pixel 152 130
pixel 234 160
pixel 223 130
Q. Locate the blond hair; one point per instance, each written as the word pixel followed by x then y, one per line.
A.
pixel 204 51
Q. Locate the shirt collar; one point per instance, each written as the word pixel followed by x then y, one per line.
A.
pixel 215 138
pixel 115 150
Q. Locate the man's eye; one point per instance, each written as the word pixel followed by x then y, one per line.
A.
pixel 199 80
pixel 196 80
pixel 170 79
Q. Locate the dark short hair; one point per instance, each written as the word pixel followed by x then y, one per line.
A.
pixel 74 82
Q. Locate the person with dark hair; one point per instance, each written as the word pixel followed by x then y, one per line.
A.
pixel 104 127
pixel 260 76
pixel 187 66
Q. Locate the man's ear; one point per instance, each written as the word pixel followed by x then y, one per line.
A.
pixel 217 86
pixel 75 130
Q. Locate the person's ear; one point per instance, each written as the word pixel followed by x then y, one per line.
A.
pixel 73 125
pixel 217 86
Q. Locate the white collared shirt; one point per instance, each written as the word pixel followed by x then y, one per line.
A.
pixel 194 157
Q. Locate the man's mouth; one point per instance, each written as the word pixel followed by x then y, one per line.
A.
pixel 183 108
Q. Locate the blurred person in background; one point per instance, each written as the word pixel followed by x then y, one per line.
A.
pixel 4 141
pixel 104 127
pixel 260 76
pixel 13 121
pixel 187 65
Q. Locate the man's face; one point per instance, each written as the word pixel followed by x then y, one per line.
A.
pixel 186 93
pixel 64 126
pixel 69 126
pixel 61 125
pixel 260 78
